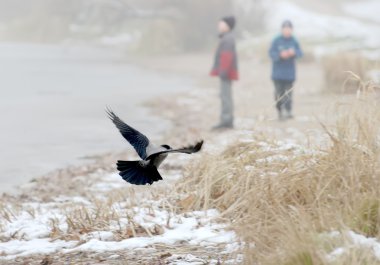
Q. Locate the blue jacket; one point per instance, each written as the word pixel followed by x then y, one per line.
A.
pixel 284 69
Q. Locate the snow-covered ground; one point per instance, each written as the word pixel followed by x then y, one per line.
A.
pixel 195 228
pixel 113 217
pixel 355 242
pixel 100 224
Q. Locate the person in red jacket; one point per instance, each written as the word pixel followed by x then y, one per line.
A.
pixel 226 68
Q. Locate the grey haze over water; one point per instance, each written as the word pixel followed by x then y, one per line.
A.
pixel 52 101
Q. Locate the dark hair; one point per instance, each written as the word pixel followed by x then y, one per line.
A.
pixel 230 21
pixel 287 24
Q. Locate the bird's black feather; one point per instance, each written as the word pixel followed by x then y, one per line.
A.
pixel 138 173
pixel 138 140
pixel 187 150
pixel 144 171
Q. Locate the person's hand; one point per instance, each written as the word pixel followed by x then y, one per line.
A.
pixel 284 54
pixel 291 52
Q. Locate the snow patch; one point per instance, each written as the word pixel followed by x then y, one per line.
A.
pixel 18 248
pixel 194 228
pixel 356 241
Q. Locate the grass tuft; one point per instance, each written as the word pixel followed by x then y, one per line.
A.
pixel 280 198
pixel 338 68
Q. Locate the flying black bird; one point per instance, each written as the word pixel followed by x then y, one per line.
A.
pixel 144 171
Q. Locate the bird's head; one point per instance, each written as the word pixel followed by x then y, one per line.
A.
pixel 167 147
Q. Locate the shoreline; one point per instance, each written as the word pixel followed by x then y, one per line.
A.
pixel 156 223
pixel 69 192
pixel 62 105
pixel 75 192
pixel 104 161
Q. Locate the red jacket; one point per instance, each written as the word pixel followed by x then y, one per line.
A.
pixel 226 62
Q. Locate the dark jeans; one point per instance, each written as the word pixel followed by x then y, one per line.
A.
pixel 283 94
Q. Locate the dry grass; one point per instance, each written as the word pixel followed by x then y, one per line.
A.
pixel 281 200
pixel 337 69
pixel 115 214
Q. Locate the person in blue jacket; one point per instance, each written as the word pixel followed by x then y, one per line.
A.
pixel 284 51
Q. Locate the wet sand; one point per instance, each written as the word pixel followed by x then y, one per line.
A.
pixel 52 106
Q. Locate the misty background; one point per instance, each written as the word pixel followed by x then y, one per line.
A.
pixel 147 26
pixel 62 61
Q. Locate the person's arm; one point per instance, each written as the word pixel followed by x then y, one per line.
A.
pixel 214 69
pixel 274 53
pixel 298 50
pixel 226 58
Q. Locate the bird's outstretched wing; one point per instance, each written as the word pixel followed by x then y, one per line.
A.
pixel 187 150
pixel 138 140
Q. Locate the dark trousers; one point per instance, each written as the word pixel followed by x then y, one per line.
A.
pixel 227 106
pixel 283 95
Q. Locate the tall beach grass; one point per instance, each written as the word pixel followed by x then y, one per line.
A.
pixel 286 201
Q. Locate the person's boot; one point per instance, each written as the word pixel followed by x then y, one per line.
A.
pixel 281 116
pixel 222 126
pixel 289 115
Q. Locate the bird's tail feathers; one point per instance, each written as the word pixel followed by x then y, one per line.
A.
pixel 137 172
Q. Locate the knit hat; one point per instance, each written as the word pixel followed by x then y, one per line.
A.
pixel 230 21
pixel 287 24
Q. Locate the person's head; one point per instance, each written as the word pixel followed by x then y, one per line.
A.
pixel 226 24
pixel 287 29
